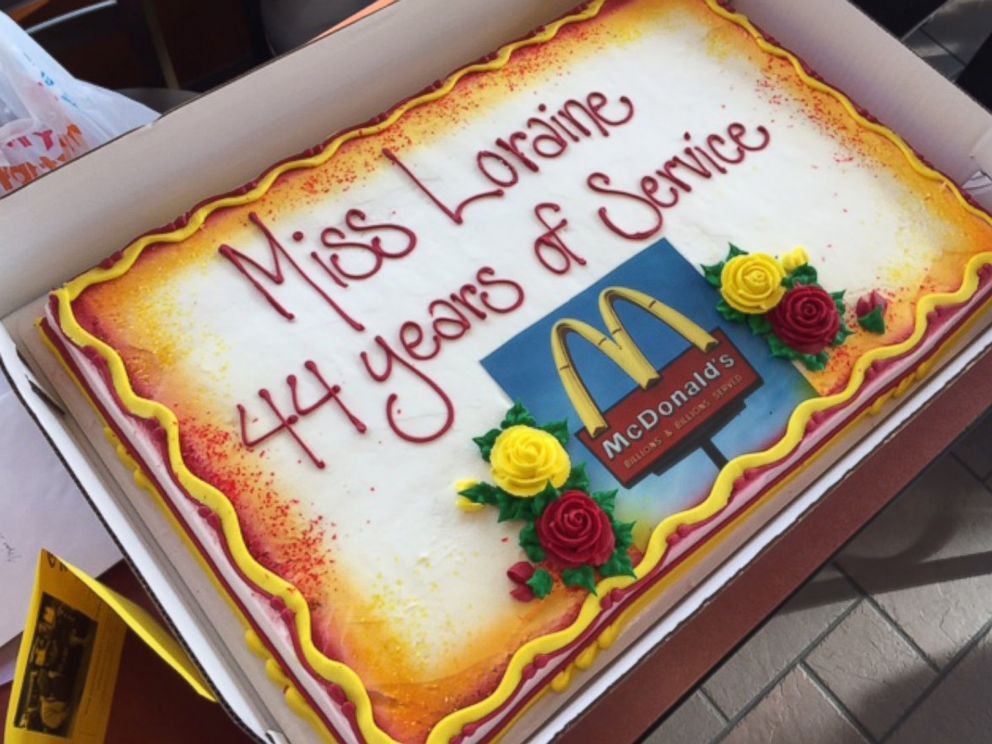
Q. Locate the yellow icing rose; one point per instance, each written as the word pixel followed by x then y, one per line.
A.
pixel 752 284
pixel 524 459
pixel 793 260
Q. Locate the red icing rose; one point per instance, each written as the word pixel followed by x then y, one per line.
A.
pixel 574 531
pixel 806 319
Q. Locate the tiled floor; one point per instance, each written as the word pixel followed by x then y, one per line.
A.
pixel 890 642
pixel 893 640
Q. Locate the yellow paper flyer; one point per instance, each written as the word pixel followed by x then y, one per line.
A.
pixel 68 661
pixel 70 654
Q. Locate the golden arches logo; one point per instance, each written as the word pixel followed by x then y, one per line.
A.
pixel 618 346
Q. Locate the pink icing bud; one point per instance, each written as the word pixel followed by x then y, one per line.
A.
pixel 520 573
pixel 523 593
pixel 869 302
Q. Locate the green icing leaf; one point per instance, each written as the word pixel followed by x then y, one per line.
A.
pixel 779 348
pixel 841 336
pixel 624 533
pixel 839 302
pixel 814 363
pixel 482 493
pixel 486 442
pixel 511 507
pixel 805 274
pixel 584 577
pixel 728 312
pixel 534 553
pixel 559 430
pixel 759 325
pixel 518 415
pixel 618 565
pixel 713 272
pixel 606 499
pixel 577 479
pixel 541 583
pixel 530 543
pixel 873 322
pixel 735 251
pixel 541 501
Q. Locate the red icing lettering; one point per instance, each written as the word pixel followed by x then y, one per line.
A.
pixel 330 394
pixel 461 299
pixel 600 182
pixel 510 145
pixel 550 144
pixel 373 248
pixel 255 273
pixel 335 239
pixel 455 215
pixel 411 336
pixel 550 248
pixel 715 142
pixel 354 219
pixel 453 320
pixel 546 136
pixel 650 186
pixel 737 131
pixel 484 277
pixel 696 161
pixel 483 160
pixel 597 102
pixel 392 362
pixel 570 106
pixel 666 173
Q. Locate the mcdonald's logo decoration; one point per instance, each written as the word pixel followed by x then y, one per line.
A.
pixel 646 340
pixel 674 409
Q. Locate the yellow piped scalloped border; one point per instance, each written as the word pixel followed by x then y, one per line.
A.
pixel 719 495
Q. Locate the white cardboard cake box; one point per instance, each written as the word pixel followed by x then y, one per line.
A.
pixel 70 219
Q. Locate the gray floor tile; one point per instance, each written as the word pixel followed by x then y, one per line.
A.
pixel 927 559
pixel 934 54
pixel 975 448
pixel 961 26
pixel 693 722
pixel 794 711
pixel 870 668
pixel 959 710
pixel 783 638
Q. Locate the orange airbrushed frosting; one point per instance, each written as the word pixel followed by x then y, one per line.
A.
pixel 136 315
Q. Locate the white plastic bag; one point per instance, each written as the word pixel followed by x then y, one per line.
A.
pixel 47 117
